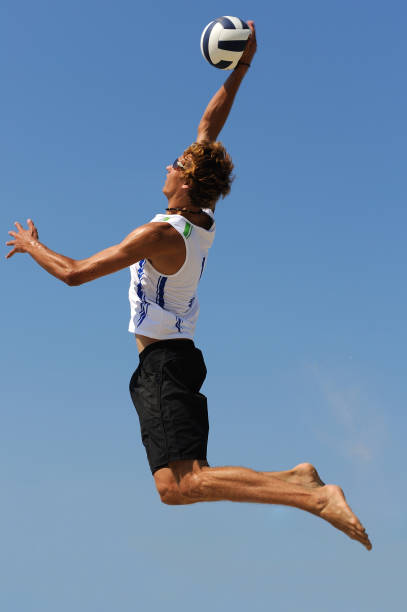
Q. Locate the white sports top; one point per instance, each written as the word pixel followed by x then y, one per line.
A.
pixel 165 306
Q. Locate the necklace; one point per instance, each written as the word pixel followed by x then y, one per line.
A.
pixel 195 212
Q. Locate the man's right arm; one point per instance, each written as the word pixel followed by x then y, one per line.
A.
pixel 148 240
pixel 218 109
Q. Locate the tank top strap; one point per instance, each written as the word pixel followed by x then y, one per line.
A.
pixel 209 212
pixel 180 223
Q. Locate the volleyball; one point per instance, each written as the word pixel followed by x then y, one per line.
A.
pixel 223 41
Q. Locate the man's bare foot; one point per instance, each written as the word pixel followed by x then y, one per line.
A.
pixel 336 511
pixel 303 474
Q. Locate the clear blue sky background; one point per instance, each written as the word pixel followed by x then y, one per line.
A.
pixel 303 320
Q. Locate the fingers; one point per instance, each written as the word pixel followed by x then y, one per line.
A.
pixel 251 46
pixel 10 243
pixel 33 229
pixel 21 236
pixel 252 26
pixel 31 225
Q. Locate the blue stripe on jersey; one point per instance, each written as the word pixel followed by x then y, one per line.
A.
pixel 140 270
pixel 178 324
pixel 140 293
pixel 159 297
pixel 157 288
pixel 202 267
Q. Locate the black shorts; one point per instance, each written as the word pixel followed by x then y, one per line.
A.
pixel 165 392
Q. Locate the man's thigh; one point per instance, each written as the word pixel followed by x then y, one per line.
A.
pixel 173 413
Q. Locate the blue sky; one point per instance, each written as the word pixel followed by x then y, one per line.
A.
pixel 303 304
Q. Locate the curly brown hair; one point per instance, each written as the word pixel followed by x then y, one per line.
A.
pixel 208 172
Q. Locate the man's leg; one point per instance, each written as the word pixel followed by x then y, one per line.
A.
pixel 195 481
pixel 303 474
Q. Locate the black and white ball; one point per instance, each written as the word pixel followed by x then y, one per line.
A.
pixel 223 41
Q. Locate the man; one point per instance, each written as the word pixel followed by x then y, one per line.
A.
pixel 167 257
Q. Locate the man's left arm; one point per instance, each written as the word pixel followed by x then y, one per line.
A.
pixel 144 241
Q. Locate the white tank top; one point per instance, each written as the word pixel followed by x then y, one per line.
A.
pixel 165 306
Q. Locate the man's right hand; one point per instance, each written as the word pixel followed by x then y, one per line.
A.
pixel 218 109
pixel 251 46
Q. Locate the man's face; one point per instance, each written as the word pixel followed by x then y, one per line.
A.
pixel 175 179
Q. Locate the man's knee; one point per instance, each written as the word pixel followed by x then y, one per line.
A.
pixel 192 485
pixel 181 486
pixel 168 491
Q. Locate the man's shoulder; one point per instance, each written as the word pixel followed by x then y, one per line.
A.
pixel 163 232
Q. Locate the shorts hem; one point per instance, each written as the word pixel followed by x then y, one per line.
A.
pixel 177 458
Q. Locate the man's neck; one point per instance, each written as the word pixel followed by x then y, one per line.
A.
pixel 180 200
pixel 192 213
